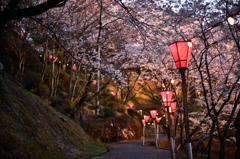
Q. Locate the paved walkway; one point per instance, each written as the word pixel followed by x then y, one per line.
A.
pixel 135 150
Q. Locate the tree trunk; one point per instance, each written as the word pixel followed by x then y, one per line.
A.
pixel 70 81
pixel 210 140
pixel 223 140
pixel 52 68
pixel 80 104
pixel 76 82
pixel 45 58
pixel 237 127
pixel 56 81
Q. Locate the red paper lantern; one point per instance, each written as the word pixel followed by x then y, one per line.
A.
pixel 74 67
pixel 171 116
pixel 21 34
pixel 113 93
pixel 94 82
pixel 153 113
pixel 55 59
pixel 167 98
pixel 146 118
pixel 181 52
pixel 138 111
pixel 158 119
pixel 143 122
pixel 173 107
pixel 130 105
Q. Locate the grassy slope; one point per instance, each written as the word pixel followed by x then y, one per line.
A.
pixel 30 128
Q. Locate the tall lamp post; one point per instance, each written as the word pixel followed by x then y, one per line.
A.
pixel 154 114
pixel 173 110
pixel 158 120
pixel 167 99
pixel 143 122
pixel 146 118
pixel 181 52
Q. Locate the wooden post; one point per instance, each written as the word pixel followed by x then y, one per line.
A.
pixel 143 134
pixel 157 134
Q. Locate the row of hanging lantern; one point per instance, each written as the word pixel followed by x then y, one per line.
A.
pixel 156 119
pixel 181 52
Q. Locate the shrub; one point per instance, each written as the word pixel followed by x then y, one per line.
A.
pixel 94 127
pixel 43 91
pixel 33 81
pixel 107 112
pixel 62 105
pixel 117 107
pixel 134 114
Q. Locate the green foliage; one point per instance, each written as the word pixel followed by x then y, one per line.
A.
pixel 31 57
pixel 94 127
pixel 107 112
pixel 64 80
pixel 62 105
pixel 36 67
pixel 33 81
pixel 116 107
pixel 135 115
pixel 47 75
pixel 92 106
pixel 43 91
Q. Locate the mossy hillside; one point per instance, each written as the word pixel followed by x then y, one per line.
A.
pixel 30 128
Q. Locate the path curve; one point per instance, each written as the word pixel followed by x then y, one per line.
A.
pixel 135 150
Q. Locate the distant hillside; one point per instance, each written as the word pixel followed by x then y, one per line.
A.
pixel 31 128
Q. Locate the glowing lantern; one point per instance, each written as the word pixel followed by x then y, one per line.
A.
pixel 158 119
pixel 21 34
pixel 170 110
pixel 173 107
pixel 153 113
pixel 130 105
pixel 55 59
pixel 181 52
pixel 143 122
pixel 167 98
pixel 171 116
pixel 138 111
pixel 94 82
pixel 146 118
pixel 74 67
pixel 113 93
pixel 231 20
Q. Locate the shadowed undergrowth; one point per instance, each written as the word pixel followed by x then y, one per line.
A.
pixel 31 128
